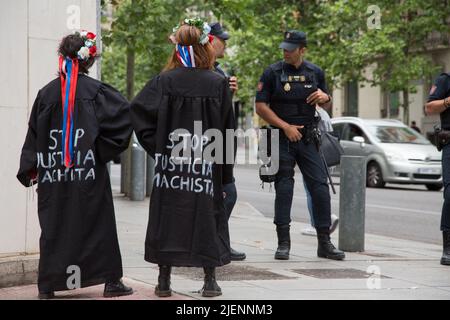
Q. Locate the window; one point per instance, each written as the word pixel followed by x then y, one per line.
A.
pixel 338 129
pixel 391 104
pixel 355 131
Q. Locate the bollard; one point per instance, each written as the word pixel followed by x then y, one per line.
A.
pixel 137 173
pixel 352 202
pixel 150 175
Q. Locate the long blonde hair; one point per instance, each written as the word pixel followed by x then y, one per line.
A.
pixel 204 55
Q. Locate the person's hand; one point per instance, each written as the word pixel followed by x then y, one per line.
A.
pixel 292 132
pixel 317 97
pixel 224 195
pixel 233 84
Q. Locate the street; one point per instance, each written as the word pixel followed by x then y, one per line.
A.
pixel 399 211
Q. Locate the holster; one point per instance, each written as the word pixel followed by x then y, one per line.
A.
pixel 311 133
pixel 442 137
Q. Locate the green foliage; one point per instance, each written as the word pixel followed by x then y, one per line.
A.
pixel 339 38
pixel 142 26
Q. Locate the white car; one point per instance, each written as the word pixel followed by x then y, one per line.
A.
pixel 395 153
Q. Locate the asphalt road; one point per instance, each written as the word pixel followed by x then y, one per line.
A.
pixel 401 211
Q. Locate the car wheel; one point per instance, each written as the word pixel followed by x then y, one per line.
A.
pixel 434 187
pixel 374 176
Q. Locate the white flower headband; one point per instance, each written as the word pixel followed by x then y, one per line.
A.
pixel 201 25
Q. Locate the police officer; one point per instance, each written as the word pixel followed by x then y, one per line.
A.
pixel 287 94
pixel 439 103
pixel 230 193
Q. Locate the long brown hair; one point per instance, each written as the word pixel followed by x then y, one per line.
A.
pixel 204 55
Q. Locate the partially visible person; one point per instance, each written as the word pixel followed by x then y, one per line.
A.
pixel 230 193
pixel 188 223
pixel 77 125
pixel 415 127
pixel 324 126
pixel 439 103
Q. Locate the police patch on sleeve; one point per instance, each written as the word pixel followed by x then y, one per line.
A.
pixel 260 86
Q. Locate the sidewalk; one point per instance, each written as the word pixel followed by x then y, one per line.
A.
pixel 409 270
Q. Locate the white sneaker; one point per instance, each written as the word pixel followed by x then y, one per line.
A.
pixel 310 231
pixel 334 223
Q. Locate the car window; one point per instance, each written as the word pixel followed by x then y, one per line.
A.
pixel 391 134
pixel 355 131
pixel 338 129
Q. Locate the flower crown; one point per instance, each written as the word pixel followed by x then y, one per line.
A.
pixel 199 24
pixel 89 50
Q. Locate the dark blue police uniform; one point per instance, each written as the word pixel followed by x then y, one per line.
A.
pixel 441 90
pixel 285 88
pixel 290 105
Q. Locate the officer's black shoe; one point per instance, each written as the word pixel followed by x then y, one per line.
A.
pixel 325 248
pixel 236 255
pixel 163 288
pixel 46 295
pixel 116 289
pixel 210 287
pixel 445 260
pixel 284 242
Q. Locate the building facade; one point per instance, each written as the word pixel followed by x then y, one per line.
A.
pixel 30 31
pixel 362 100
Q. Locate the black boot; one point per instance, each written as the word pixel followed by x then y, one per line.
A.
pixel 325 248
pixel 236 255
pixel 445 260
pixel 284 242
pixel 210 287
pixel 163 288
pixel 116 288
pixel 46 295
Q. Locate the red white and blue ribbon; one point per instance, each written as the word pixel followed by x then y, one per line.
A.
pixel 185 55
pixel 68 70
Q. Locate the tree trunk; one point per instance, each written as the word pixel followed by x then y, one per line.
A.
pixel 406 106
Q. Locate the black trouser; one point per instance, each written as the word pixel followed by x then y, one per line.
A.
pixel 314 173
pixel 445 217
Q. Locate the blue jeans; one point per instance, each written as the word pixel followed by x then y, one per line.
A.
pixel 230 199
pixel 314 173
pixel 445 217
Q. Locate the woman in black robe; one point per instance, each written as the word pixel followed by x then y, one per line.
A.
pixel 77 125
pixel 187 224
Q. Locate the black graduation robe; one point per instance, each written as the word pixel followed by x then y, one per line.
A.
pixel 75 205
pixel 187 221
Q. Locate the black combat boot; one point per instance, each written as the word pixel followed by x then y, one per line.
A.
pixel 325 248
pixel 210 288
pixel 163 288
pixel 445 260
pixel 284 242
pixel 46 295
pixel 116 288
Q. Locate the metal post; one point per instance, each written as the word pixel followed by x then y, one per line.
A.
pixel 125 162
pixel 150 175
pixel 352 203
pixel 137 173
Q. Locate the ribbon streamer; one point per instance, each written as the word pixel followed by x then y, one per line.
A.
pixel 68 70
